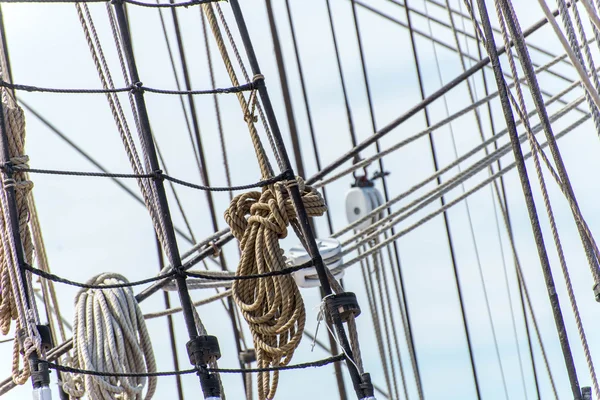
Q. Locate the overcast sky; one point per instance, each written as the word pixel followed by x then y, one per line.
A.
pixel 92 226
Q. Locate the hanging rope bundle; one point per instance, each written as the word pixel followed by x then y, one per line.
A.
pixel 13 290
pixel 272 306
pixel 110 335
pixel 15 126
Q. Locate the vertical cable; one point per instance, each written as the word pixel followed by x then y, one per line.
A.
pixel 443 202
pixel 490 44
pixel 161 197
pixel 171 327
pixel 313 250
pixel 298 155
pixel 394 262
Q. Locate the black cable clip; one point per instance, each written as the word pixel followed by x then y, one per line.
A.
pixel 203 349
pixel 345 305
pixel 46 336
pixel 248 356
pixel 366 386
pixel 40 374
pixel 586 393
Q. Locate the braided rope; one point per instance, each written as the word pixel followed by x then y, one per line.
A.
pixel 273 306
pixel 248 106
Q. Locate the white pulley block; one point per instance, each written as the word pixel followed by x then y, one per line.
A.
pixel 329 249
pixel 360 201
pixel 302 277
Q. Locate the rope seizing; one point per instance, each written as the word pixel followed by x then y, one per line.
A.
pixel 272 306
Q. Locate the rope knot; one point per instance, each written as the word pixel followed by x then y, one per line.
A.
pixel 8 167
pixel 19 162
pixel 158 175
pixel 250 118
pixel 137 87
pixel 272 306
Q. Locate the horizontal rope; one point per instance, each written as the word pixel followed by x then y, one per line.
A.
pixel 132 2
pixel 286 271
pixel 207 276
pixel 155 175
pixel 312 364
pixel 60 279
pixel 132 88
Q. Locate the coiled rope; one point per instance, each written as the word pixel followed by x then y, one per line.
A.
pixel 272 306
pixel 110 335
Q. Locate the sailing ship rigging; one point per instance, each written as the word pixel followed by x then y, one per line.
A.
pixel 387 199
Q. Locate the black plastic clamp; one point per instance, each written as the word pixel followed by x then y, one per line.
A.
pixel 46 336
pixel 343 304
pixel 40 374
pixel 203 349
pixel 248 356
pixel 586 393
pixel 366 386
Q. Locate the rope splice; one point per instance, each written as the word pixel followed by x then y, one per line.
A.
pixel 272 306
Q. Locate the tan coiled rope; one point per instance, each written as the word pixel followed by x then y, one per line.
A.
pixel 9 288
pixel 272 306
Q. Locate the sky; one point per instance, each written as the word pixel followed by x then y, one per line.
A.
pixel 91 226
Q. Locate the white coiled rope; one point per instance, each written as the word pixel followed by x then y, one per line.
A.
pixel 110 336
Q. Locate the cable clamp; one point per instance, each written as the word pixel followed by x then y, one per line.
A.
pixel 345 305
pixel 203 349
pixel 366 386
pixel 46 337
pixel 40 374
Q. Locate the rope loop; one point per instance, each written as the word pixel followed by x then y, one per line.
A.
pixel 9 183
pixel 272 306
pixel 258 80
